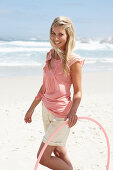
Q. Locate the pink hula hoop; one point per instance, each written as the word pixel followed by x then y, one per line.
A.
pixel 58 129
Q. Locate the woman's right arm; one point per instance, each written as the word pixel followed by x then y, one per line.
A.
pixel 36 101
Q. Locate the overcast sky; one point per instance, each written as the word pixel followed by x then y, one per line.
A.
pixel 25 19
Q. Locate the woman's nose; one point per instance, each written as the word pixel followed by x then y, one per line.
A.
pixel 56 38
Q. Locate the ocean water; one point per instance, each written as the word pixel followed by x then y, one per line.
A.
pixel 19 58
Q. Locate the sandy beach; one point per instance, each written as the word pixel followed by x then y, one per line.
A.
pixel 86 145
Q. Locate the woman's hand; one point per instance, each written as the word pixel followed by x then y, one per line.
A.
pixel 28 116
pixel 72 119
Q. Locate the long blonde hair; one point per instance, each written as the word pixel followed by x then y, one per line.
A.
pixel 70 44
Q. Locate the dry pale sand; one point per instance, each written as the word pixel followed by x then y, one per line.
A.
pixel 86 145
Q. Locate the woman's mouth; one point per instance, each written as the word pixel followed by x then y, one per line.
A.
pixel 57 43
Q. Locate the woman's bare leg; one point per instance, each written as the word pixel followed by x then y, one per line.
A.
pixel 52 162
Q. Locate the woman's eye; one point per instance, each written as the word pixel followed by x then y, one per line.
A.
pixel 52 33
pixel 61 34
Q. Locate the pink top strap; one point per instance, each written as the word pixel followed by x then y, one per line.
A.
pixel 76 58
pixel 49 55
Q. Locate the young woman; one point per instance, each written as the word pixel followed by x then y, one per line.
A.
pixel 62 69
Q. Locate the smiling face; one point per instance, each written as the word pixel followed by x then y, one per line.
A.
pixel 59 37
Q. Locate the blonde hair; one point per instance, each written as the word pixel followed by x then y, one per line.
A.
pixel 70 44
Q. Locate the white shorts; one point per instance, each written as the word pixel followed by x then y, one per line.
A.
pixel 51 123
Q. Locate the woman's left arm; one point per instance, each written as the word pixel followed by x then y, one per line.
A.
pixel 76 75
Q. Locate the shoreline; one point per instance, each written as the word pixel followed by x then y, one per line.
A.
pixel 20 71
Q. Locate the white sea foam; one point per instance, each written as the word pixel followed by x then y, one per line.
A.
pixel 97 54
pixel 94 45
pixel 44 46
pixel 21 49
pixel 30 43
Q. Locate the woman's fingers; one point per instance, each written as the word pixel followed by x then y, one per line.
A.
pixel 25 119
pixel 72 120
pixel 28 119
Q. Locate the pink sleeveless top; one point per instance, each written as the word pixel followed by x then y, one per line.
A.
pixel 56 86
